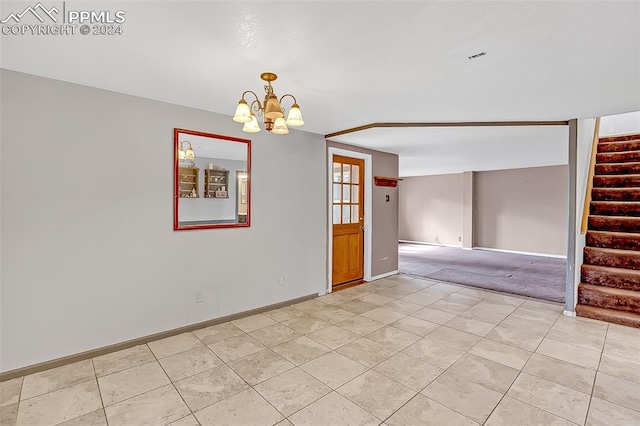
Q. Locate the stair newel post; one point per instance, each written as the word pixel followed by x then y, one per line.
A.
pixel 570 296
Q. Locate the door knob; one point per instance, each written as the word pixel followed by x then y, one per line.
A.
pixel 362 228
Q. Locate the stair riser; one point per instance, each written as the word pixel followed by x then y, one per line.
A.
pixel 615 194
pixel 626 242
pixel 594 297
pixel 612 316
pixel 614 224
pixel 617 168
pixel 615 208
pixel 619 146
pixel 610 279
pixel 618 157
pixel 630 181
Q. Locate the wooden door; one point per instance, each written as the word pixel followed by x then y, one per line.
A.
pixel 347 219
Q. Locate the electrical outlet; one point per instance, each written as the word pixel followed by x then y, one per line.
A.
pixel 199 296
pixel 612 129
pixel 281 281
pixel 460 239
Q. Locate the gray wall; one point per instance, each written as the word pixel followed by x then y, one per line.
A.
pixel 523 210
pixel 518 209
pixel 384 256
pixel 431 209
pixel 620 124
pixel 89 257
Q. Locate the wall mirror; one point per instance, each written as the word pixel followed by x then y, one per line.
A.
pixel 212 181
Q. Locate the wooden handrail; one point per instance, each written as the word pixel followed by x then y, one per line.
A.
pixel 592 167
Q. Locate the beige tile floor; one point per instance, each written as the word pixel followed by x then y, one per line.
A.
pixel 397 352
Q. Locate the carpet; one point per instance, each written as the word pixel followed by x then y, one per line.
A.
pixel 526 275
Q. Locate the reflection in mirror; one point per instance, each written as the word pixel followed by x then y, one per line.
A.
pixel 211 181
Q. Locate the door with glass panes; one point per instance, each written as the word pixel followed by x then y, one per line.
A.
pixel 348 219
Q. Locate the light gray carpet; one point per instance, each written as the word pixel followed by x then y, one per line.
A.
pixel 532 276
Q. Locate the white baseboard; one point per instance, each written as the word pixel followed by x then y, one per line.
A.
pixel 429 244
pixel 386 274
pixel 569 313
pixel 528 253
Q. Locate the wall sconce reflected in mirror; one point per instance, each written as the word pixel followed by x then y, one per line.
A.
pixel 186 154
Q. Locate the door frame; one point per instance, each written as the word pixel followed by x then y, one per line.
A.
pixel 368 192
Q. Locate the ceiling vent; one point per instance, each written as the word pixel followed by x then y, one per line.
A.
pixel 477 55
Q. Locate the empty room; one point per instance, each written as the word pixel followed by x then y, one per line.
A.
pixel 202 204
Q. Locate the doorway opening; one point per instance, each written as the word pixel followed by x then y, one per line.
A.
pixel 349 218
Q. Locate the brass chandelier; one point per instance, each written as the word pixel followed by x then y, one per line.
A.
pixel 271 109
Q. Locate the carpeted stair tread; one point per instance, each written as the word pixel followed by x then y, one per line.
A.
pixel 614 223
pixel 610 298
pixel 622 146
pixel 617 138
pixel 615 208
pixel 615 194
pixel 628 279
pixel 608 315
pixel 610 274
pixel 613 258
pixel 618 157
pixel 614 240
pixel 629 168
pixel 616 181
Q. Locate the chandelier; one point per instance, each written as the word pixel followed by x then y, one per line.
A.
pixel 271 110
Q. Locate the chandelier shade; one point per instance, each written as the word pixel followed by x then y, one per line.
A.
pixel 270 109
pixel 251 126
pixel 280 127
pixel 294 119
pixel 243 113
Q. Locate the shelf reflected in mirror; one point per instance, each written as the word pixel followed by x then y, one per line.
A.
pixel 211 181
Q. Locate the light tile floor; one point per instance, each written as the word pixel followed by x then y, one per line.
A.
pixel 398 351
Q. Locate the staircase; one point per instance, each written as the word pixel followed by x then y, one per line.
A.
pixel 609 287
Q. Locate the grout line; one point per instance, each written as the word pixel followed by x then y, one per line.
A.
pixel 19 398
pixel 171 382
pixel 59 389
pixel 99 392
pixel 595 376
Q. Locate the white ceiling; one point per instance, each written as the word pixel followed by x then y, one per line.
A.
pixel 215 148
pixel 433 151
pixel 353 63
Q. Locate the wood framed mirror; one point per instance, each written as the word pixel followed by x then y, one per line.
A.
pixel 212 181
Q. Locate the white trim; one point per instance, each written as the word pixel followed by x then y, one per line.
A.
pixel 386 274
pixel 368 194
pixel 528 253
pixel 569 313
pixel 428 244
